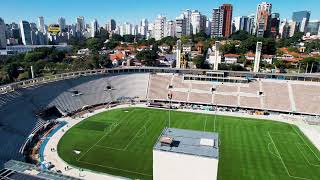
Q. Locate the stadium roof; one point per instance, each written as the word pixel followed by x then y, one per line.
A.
pixel 190 142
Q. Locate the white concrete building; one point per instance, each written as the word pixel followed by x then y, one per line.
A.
pixel 186 154
pixel 42 27
pixel 143 27
pixel 126 29
pixel 196 21
pixel 171 29
pixel 160 27
pixel 94 27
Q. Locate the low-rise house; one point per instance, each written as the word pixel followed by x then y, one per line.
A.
pixel 267 58
pixel 84 52
pixel 231 58
pixel 250 56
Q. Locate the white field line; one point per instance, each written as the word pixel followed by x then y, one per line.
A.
pixel 119 169
pixel 284 165
pixel 136 134
pixel 96 142
pixel 299 145
pixel 205 124
pixel 305 142
pixel 214 123
pixel 272 152
pixel 108 147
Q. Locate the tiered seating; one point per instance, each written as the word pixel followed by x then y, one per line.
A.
pixel 179 96
pixel 251 88
pixel 203 87
pixel 133 85
pixel 307 98
pixel 177 82
pixel 225 100
pixel 250 102
pixel 226 88
pixel 158 86
pixel 200 98
pixel 276 96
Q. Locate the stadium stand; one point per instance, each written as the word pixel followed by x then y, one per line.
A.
pixel 21 102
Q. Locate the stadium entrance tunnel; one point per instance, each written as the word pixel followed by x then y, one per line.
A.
pixel 50 113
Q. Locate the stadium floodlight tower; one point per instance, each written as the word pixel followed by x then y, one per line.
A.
pixel 217 57
pixel 186 154
pixel 257 57
pixel 178 54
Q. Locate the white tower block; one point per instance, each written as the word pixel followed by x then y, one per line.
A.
pixel 258 57
pixel 178 54
pixel 217 57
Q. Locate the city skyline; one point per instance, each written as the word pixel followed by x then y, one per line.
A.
pixel 106 10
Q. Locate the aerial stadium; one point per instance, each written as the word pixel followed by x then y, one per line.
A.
pixel 133 123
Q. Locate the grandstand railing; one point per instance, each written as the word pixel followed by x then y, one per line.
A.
pixel 248 75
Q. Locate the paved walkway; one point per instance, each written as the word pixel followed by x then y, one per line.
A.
pixel 312 132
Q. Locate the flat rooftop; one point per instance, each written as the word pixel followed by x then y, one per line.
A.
pixel 197 143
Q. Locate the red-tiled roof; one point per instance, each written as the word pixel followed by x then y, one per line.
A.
pixel 231 55
pixel 117 56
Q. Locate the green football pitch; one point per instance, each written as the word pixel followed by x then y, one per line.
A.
pixel 120 142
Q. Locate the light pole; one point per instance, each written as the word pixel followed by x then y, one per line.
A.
pixel 170 102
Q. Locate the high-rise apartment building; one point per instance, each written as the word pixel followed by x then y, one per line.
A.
pixel 160 27
pixel 62 24
pixel 170 28
pixel 187 16
pixel 313 27
pixel 25 31
pixel 198 22
pixel 42 27
pixel 3 39
pixel 227 19
pixel 94 27
pixel 180 26
pixel 80 26
pixel 216 23
pixel 221 21
pixel 262 19
pixel 113 25
pixel 143 27
pixel 274 24
pixel 302 19
pixel 243 23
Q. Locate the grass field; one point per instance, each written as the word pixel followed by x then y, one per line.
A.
pixel 120 142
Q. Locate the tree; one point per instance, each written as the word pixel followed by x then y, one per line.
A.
pixel 229 48
pixel 240 35
pixel 94 44
pixel 148 56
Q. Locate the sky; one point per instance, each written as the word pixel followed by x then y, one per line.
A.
pixel 135 10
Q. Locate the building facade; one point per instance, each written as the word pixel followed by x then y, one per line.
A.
pixel 222 21
pixel 302 19
pixel 160 27
pixel 262 19
pixel 3 39
pixel 25 31
pixel 42 27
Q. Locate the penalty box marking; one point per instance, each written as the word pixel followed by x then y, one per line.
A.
pixel 302 152
pixel 305 142
pixel 284 165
